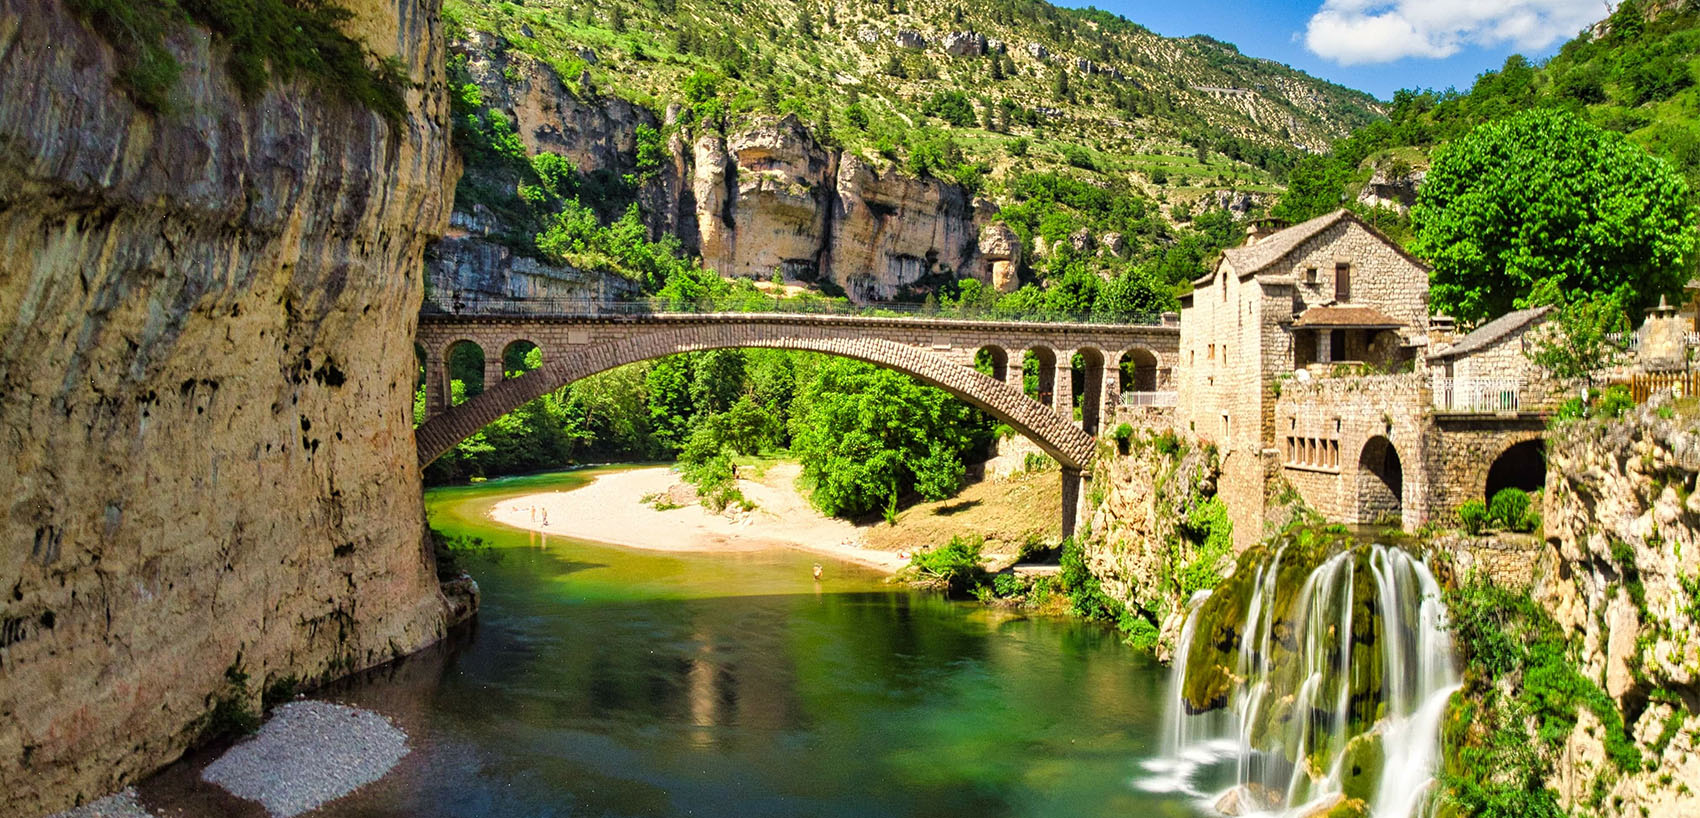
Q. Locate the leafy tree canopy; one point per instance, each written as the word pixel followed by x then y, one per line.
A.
pixel 1541 208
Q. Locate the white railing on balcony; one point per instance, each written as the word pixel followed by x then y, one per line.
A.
pixel 1691 339
pixel 1149 398
pixel 1478 394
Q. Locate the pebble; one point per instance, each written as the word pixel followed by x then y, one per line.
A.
pixel 122 804
pixel 306 754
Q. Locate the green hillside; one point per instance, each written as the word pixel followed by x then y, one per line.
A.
pixel 1069 120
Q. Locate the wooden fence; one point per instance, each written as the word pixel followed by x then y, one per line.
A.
pixel 1642 385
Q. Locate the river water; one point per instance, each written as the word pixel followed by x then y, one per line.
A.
pixel 604 681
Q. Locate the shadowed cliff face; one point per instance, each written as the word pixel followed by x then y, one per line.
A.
pixel 206 453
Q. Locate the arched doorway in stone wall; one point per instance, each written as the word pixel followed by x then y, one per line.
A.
pixel 1381 481
pixel 1521 466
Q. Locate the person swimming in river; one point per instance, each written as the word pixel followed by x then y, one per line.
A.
pixel 817 572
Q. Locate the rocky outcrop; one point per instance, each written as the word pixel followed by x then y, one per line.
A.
pixel 1623 578
pixel 466 265
pixel 765 199
pixel 209 478
pixel 1394 192
pixel 1153 524
pixel 964 44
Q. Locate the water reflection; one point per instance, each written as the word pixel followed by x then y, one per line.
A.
pixel 606 681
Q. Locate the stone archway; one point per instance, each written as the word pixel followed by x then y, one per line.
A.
pixel 1522 465
pixel 1380 481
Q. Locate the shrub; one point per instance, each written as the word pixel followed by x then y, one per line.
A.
pixel 1474 514
pixel 955 565
pixel 1614 401
pixel 1086 597
pixel 1007 584
pixel 1509 509
pixel 1124 436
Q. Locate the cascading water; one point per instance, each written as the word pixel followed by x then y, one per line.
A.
pixel 1307 684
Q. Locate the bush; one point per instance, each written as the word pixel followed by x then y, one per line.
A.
pixel 1614 401
pixel 1124 436
pixel 1007 584
pixel 1509 509
pixel 1086 597
pixel 1474 514
pixel 955 565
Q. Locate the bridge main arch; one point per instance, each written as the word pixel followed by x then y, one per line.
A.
pixel 1058 436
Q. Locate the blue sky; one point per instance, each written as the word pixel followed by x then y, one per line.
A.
pixel 1377 46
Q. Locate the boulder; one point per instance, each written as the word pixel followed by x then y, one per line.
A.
pixel 911 40
pixel 1360 769
pixel 1038 52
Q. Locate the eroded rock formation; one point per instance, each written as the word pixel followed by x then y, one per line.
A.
pixel 209 480
pixel 765 199
pixel 1623 574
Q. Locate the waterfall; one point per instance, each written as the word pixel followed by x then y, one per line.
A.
pixel 1310 681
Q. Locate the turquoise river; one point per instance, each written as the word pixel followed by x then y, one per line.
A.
pixel 607 681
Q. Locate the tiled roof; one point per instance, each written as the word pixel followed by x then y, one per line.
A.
pixel 1252 259
pixel 1357 317
pixel 1492 331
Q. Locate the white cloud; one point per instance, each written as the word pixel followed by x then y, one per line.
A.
pixel 1353 32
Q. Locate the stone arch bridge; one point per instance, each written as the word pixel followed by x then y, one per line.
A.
pixel 937 351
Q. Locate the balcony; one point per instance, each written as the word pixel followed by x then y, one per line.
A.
pixel 1478 395
pixel 1157 399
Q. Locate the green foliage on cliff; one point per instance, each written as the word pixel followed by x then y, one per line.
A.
pixel 264 40
pixel 1522 691
pixel 1543 208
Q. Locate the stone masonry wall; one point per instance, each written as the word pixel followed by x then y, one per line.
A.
pixel 1323 426
pixel 206 450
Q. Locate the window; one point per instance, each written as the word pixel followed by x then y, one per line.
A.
pixel 1342 281
pixel 1310 275
pixel 1337 345
pixel 1211 354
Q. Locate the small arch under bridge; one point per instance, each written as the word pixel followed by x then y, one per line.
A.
pixel 938 351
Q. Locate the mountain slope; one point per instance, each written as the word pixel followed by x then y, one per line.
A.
pixel 883 150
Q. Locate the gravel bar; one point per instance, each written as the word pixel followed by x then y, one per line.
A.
pixel 122 804
pixel 308 753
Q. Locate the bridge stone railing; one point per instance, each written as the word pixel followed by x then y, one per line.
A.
pixel 482 304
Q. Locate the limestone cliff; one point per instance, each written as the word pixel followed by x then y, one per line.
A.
pixel 766 199
pixel 1623 579
pixel 1157 533
pixel 206 458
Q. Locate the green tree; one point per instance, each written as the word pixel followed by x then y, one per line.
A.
pixel 1543 208
pixel 864 433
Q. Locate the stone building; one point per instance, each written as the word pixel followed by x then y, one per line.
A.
pixel 1310 359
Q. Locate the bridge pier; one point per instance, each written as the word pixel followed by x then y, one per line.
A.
pixel 436 385
pixel 1110 394
pixel 493 372
pixel 1062 385
pixel 1076 488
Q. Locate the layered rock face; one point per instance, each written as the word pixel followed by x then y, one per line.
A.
pixel 209 480
pixel 1623 574
pixel 766 199
pixel 1140 539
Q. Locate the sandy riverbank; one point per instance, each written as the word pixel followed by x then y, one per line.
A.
pixel 611 510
